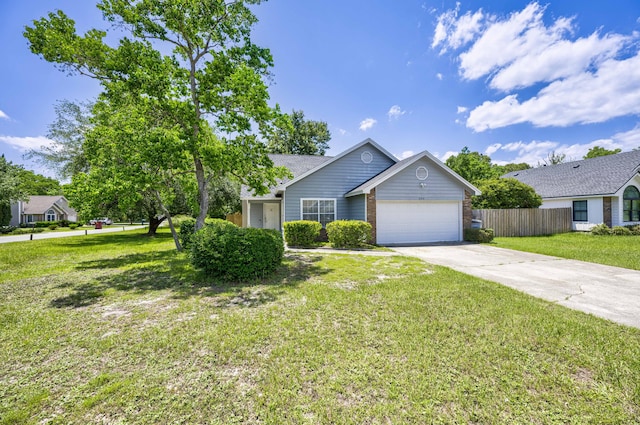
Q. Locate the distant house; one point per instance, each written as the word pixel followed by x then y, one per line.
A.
pixel 42 208
pixel 605 189
pixel 416 200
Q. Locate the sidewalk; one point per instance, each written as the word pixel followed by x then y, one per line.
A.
pixel 82 232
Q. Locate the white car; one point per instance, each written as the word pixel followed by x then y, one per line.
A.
pixel 103 220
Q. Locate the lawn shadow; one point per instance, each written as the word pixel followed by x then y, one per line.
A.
pixel 170 270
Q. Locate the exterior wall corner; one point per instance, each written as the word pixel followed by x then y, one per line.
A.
pixel 371 214
pixel 467 212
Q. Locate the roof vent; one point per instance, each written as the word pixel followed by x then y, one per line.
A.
pixel 576 166
pixel 516 174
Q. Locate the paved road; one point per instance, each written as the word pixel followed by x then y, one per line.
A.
pixel 609 292
pixel 92 231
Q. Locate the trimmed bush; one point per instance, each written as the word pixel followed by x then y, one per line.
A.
pixel 601 230
pixel 73 226
pixel 7 229
pixel 349 233
pixel 27 231
pixel 64 223
pixel 235 253
pixel 53 226
pixel 188 226
pixel 42 224
pixel 478 235
pixel 301 233
pixel 634 228
pixel 621 231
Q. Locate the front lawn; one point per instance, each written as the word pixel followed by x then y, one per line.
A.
pixel 620 251
pixel 120 329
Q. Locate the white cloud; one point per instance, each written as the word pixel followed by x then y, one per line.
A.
pixel 585 80
pixel 405 155
pixel 342 131
pixel 535 152
pixel 26 143
pixel 439 76
pixel 446 155
pixel 3 115
pixel 462 109
pixel 492 149
pixel 453 31
pixel 395 112
pixel 612 91
pixel 366 124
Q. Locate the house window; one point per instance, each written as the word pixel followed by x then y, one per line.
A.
pixel 50 215
pixel 631 204
pixel 321 210
pixel 580 211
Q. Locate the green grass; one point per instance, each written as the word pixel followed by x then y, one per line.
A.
pixel 619 251
pixel 120 329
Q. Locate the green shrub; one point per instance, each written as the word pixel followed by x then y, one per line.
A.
pixel 27 231
pixel 601 230
pixel 349 233
pixel 634 228
pixel 188 225
pixel 42 224
pixel 7 229
pixel 52 226
pixel 73 226
pixel 302 233
pixel 179 219
pixel 64 223
pixel 478 235
pixel 620 231
pixel 235 253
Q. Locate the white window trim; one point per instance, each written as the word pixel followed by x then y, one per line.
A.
pixel 335 207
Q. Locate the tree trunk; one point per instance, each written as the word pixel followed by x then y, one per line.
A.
pixel 176 240
pixel 154 223
pixel 203 194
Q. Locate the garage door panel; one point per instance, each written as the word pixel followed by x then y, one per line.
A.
pixel 416 222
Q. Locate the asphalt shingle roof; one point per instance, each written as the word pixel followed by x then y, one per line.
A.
pixel 41 204
pixel 297 164
pixel 603 175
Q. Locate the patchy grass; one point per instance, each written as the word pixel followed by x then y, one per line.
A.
pixel 122 330
pixel 619 251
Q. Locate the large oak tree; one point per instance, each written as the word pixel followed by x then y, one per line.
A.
pixel 193 64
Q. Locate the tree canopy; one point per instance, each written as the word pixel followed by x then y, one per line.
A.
pixel 66 155
pixel 31 183
pixel 506 193
pixel 597 151
pixel 194 78
pixel 472 166
pixel 295 135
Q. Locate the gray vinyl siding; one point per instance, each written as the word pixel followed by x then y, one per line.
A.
pixel 15 214
pixel 356 207
pixel 334 181
pixel 405 186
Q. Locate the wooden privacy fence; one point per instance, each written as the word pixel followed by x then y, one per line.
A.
pixel 235 218
pixel 526 221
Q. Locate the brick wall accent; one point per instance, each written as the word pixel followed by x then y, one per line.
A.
pixel 467 213
pixel 371 213
pixel 606 210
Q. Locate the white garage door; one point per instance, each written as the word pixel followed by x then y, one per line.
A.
pixel 401 222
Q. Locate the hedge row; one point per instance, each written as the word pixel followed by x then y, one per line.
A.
pixel 603 229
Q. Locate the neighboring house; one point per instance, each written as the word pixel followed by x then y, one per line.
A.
pixel 42 208
pixel 605 189
pixel 416 200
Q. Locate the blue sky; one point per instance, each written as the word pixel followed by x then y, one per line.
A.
pixel 512 79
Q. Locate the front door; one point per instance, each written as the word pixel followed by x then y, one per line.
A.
pixel 271 216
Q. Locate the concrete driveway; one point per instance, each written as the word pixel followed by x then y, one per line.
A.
pixel 609 292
